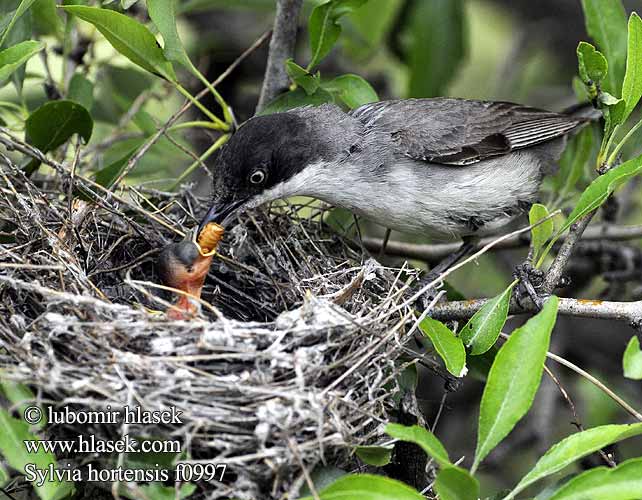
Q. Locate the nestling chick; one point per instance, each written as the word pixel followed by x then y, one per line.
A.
pixel 184 266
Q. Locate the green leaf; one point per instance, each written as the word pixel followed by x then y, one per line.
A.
pixel 127 36
pixel 437 45
pixel 353 90
pixel 14 433
pixel 20 396
pixel 22 8
pixel 46 19
pixel 14 57
pixel 108 175
pixel 22 31
pixel 4 476
pixel 541 233
pixel 367 487
pixel 322 477
pixel 592 65
pixel 447 344
pixel 483 329
pixel 5 19
pixel 301 77
pixel 53 123
pixel 159 492
pixel 573 161
pixel 480 364
pixel 623 482
pixel 423 438
pixel 374 455
pixel 81 90
pixel 455 483
pixel 295 99
pixel 632 360
pixel 373 23
pixel 145 122
pixel 606 23
pixel 163 15
pixel 324 28
pixel 573 448
pixel 632 86
pixel 601 188
pixel 513 380
pixel 408 379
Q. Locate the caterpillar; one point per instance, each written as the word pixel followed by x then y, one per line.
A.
pixel 209 238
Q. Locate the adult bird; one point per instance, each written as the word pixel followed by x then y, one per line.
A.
pixel 448 168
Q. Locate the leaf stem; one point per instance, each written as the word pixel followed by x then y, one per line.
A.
pixel 227 114
pixel 215 119
pixel 604 150
pixel 194 124
pixel 617 149
pixel 219 142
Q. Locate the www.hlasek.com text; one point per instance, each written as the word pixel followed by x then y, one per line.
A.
pixel 91 444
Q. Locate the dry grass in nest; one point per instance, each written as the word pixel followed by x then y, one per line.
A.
pixel 292 362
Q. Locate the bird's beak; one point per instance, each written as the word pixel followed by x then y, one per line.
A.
pixel 220 213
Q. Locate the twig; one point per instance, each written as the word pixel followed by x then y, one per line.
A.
pixel 584 308
pixel 186 105
pixel 473 257
pixel 576 419
pixel 39 267
pixel 292 444
pixel 556 269
pixel 632 411
pixel 437 251
pixel 12 142
pixel 282 47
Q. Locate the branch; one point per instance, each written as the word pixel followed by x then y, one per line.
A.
pixel 281 49
pixel 436 252
pixel 556 269
pixel 600 309
pixel 186 105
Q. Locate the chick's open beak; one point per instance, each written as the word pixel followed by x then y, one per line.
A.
pixel 182 267
pixel 221 212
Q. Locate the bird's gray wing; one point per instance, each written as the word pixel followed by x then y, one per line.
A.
pixel 461 131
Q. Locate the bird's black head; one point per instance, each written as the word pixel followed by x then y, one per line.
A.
pixel 265 152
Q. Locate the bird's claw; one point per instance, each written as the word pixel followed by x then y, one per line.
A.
pixel 531 281
pixel 425 300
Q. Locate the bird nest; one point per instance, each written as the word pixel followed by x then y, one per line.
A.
pixel 292 361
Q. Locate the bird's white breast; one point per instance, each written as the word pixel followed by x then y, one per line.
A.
pixel 418 197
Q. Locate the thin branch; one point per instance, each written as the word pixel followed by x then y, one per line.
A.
pixel 437 251
pixel 473 257
pixel 556 269
pixel 186 105
pixel 627 407
pixel 13 143
pixel 576 419
pixel 563 361
pixel 282 47
pixel 584 308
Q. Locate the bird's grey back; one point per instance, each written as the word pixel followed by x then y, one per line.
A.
pixel 461 131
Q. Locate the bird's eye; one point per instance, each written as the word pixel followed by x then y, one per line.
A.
pixel 257 177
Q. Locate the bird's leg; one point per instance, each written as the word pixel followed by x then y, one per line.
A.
pixel 467 247
pixel 386 238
